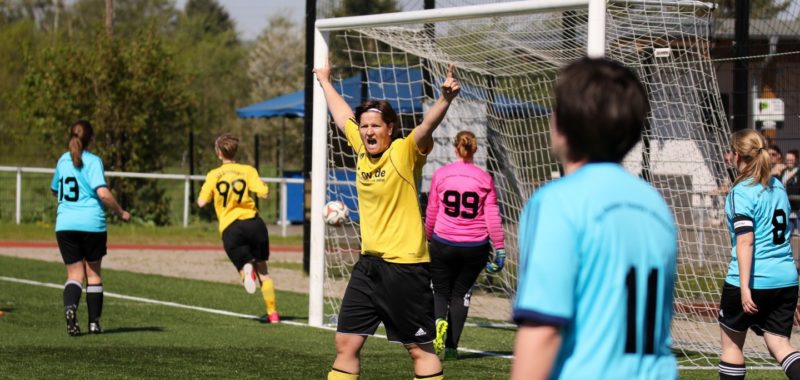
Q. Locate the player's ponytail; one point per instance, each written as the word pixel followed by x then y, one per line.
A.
pixel 752 150
pixel 80 134
pixel 466 144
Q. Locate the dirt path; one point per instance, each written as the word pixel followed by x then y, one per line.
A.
pixel 206 264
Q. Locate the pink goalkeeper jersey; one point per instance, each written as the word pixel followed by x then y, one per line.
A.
pixel 462 207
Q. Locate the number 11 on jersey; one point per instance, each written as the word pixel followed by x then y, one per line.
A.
pixel 632 336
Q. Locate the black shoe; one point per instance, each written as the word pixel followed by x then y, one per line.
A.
pixel 94 328
pixel 72 322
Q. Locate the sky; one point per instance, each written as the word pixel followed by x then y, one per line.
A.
pixel 251 15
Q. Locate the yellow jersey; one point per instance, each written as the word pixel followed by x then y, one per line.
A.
pixel 391 221
pixel 229 187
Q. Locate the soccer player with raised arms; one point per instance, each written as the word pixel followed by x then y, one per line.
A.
pixel 244 235
pixel 79 183
pixel 598 246
pixel 760 290
pixel 391 281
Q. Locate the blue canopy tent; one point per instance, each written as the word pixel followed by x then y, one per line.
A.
pixel 289 105
pixel 402 87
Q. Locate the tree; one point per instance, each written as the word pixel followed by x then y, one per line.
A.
pixel 133 94
pixel 41 12
pixel 276 62
pixel 759 9
pixel 276 65
pixel 17 40
pixel 130 16
pixel 365 7
pixel 213 17
pixel 215 63
pixel 341 43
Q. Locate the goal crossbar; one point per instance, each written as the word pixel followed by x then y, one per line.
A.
pixel 477 11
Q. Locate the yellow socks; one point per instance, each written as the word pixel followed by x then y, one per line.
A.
pixel 335 374
pixel 268 291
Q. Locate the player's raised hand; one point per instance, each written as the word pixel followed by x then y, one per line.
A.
pixel 323 73
pixel 450 87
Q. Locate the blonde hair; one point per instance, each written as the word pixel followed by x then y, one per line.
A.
pixel 227 145
pixel 466 144
pixel 752 149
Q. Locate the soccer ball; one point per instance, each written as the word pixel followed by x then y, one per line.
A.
pixel 335 212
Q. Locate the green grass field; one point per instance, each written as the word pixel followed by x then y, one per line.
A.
pixel 146 340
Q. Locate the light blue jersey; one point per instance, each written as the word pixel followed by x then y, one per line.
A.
pixel 597 259
pixel 79 208
pixel 751 208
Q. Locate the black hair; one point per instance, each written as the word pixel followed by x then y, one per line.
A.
pixel 601 109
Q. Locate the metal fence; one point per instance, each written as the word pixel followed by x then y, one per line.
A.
pixel 40 197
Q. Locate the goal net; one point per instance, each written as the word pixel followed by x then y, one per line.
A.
pixel 507 63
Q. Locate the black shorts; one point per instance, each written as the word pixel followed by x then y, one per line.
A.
pixel 246 241
pixel 455 269
pixel 775 310
pixel 79 245
pixel 399 295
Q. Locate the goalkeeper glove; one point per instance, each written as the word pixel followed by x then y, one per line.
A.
pixel 498 263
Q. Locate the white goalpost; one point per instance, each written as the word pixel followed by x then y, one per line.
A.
pixel 507 56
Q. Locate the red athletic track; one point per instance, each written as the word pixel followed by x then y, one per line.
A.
pixel 142 247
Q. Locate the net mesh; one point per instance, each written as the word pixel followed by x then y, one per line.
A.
pixel 507 66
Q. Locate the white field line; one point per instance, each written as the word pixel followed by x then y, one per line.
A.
pixel 216 311
pixel 292 323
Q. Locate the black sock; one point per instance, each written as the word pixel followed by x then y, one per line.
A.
pixel 459 308
pixel 440 373
pixel 94 299
pixel 72 294
pixel 791 365
pixel 440 302
pixel 728 371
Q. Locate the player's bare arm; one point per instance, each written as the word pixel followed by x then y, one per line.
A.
pixel 744 254
pixel 337 106
pixel 423 133
pixel 535 352
pixel 109 201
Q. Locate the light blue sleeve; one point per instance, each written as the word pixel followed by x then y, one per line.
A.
pixel 54 182
pixel 548 263
pixel 95 174
pixel 741 203
pixel 740 210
